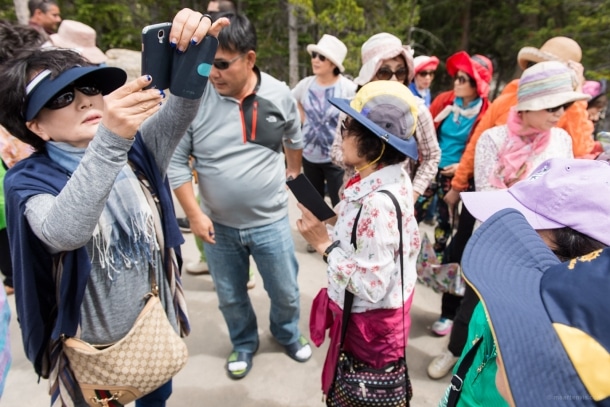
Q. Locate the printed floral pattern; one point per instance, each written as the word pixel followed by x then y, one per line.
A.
pixel 372 271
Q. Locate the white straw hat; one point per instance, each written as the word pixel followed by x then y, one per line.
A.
pixel 332 48
pixel 378 48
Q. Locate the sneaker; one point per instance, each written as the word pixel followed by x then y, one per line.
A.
pixel 299 350
pixel 310 248
pixel 184 225
pixel 442 327
pixel 441 365
pixel 251 281
pixel 197 268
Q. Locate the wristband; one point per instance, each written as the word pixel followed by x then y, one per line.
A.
pixel 329 249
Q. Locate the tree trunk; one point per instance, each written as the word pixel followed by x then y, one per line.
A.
pixel 466 18
pixel 293 46
pixel 21 10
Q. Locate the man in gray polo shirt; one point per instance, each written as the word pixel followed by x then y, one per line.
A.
pixel 245 140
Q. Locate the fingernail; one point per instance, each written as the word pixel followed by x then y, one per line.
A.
pixel 193 40
pixel 211 234
pixel 148 78
pixel 173 43
pixel 180 51
pixel 162 93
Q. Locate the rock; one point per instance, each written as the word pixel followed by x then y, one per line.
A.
pixel 130 61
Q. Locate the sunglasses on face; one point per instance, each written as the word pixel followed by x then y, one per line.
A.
pixel 423 74
pixel 67 95
pixel 315 55
pixel 385 74
pixel 461 79
pixel 222 64
pixel 557 108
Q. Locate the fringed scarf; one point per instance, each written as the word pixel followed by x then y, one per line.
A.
pixel 514 157
pixel 124 235
pixel 458 111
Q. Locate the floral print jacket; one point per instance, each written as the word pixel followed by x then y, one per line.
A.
pixel 372 271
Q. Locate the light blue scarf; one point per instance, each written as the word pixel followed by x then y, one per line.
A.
pixel 124 237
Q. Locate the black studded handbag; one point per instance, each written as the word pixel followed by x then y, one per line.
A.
pixel 356 384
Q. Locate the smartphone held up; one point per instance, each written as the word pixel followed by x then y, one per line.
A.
pixel 184 73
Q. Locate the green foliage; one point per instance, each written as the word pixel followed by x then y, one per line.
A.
pixel 495 28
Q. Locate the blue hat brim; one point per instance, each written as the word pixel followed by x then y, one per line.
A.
pixel 504 261
pixel 407 147
pixel 107 79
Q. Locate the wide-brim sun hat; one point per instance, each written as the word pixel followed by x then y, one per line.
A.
pixel 42 88
pixel 560 192
pixel 79 37
pixel 547 85
pixel 478 67
pixel 378 48
pixel 389 110
pixel 332 48
pixel 424 63
pixel 561 49
pixel 550 320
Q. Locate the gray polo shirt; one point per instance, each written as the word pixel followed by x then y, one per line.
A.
pixel 238 154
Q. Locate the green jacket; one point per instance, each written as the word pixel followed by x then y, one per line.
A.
pixel 480 382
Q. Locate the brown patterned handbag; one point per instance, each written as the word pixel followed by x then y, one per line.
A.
pixel 147 357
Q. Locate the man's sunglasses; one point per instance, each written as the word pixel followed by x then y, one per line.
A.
pixel 221 64
pixel 385 74
pixel 315 55
pixel 66 96
pixel 557 108
pixel 423 74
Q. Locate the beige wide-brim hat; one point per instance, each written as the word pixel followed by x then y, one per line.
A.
pixel 378 48
pixel 332 48
pixel 79 37
pixel 561 49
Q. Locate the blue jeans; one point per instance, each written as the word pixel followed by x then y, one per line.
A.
pixel 272 249
pixel 157 398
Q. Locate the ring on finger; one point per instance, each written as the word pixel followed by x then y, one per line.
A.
pixel 206 16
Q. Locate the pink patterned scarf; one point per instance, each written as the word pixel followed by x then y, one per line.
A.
pixel 514 157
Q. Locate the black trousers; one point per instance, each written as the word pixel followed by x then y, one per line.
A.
pixel 319 173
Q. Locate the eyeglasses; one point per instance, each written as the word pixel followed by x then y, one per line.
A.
pixel 66 96
pixel 221 64
pixel 315 55
pixel 461 79
pixel 557 108
pixel 385 74
pixel 423 74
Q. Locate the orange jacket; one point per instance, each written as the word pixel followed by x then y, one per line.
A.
pixel 575 121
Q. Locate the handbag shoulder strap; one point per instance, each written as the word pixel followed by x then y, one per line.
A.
pixel 457 381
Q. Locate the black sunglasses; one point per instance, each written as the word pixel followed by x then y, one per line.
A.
pixel 461 79
pixel 557 108
pixel 385 74
pixel 426 73
pixel 315 54
pixel 66 96
pixel 221 64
